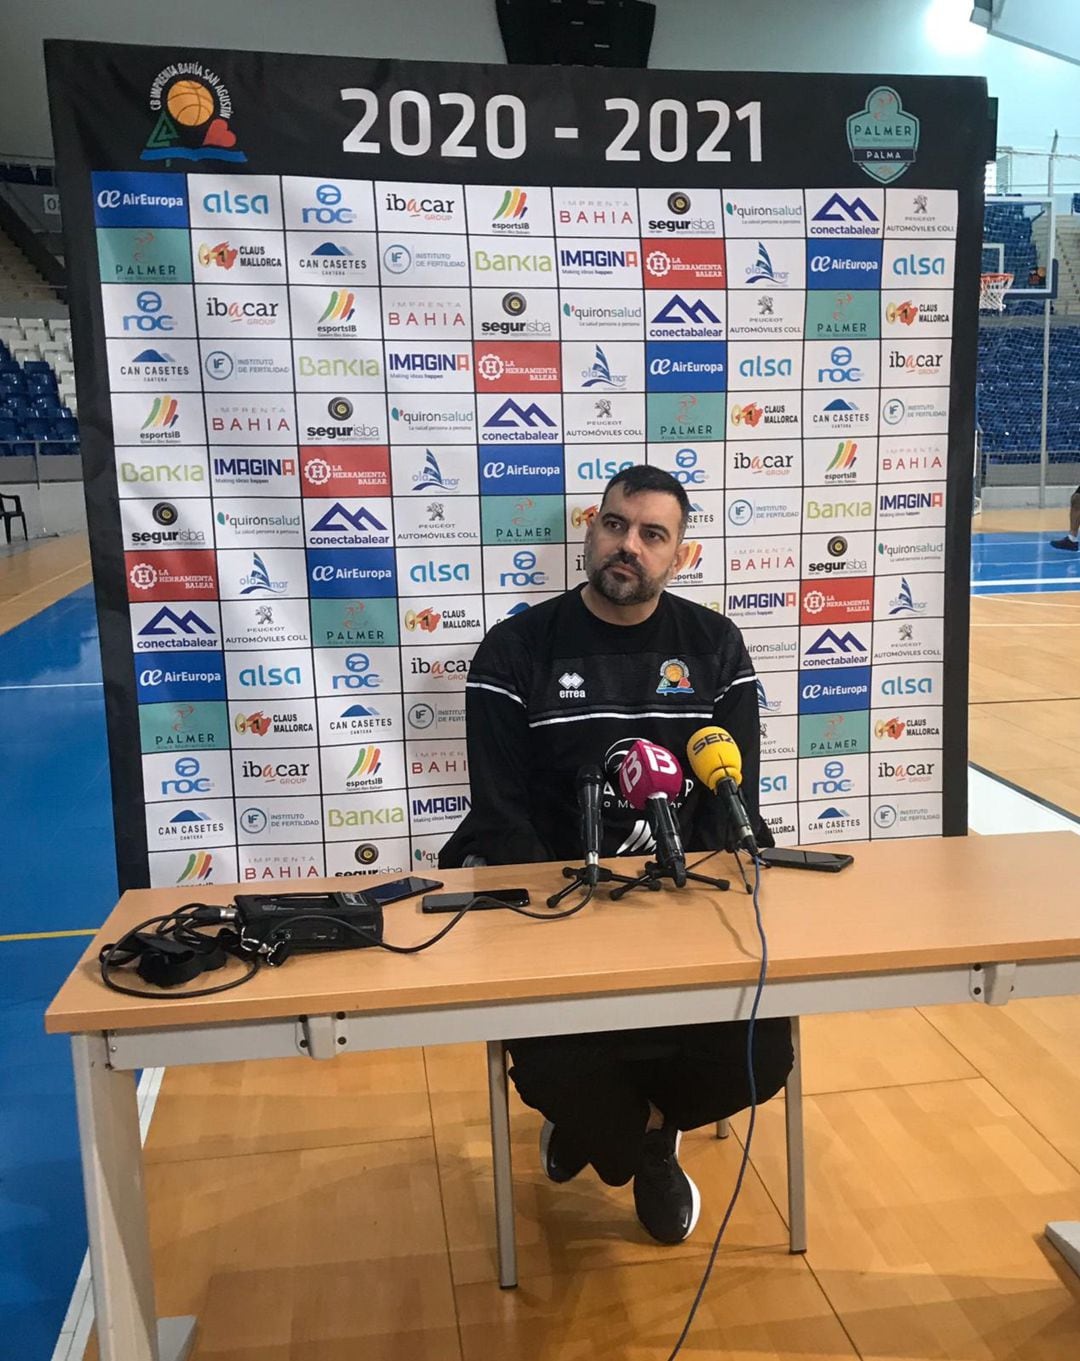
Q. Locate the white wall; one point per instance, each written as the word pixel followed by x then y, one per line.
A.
pixel 933 37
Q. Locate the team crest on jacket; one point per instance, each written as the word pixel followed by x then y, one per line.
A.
pixel 674 678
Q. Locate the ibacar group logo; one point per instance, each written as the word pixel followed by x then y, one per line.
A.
pixel 194 109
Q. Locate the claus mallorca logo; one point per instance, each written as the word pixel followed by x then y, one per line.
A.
pixel 882 137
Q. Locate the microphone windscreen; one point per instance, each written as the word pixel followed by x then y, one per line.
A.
pixel 714 755
pixel 649 769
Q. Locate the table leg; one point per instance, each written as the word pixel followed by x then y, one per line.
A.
pixel 1065 1236
pixel 499 1096
pixel 119 1239
pixel 796 1157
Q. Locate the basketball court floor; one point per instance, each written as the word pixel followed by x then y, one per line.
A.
pixel 325 1212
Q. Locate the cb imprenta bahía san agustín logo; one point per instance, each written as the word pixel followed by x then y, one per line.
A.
pixel 194 110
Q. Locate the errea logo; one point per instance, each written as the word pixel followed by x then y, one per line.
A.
pixel 571 685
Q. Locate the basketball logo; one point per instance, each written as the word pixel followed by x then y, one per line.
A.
pixel 190 103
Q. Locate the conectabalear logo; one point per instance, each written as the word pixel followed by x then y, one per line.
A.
pixel 194 108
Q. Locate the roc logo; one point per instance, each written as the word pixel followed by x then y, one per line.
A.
pixel 164 413
pixel 194 108
pixel 513 207
pixel 223 255
pixel 426 620
pixel 258 723
pixel 674 678
pixel 198 867
pixel 890 727
pixel 905 312
pixel 583 517
pixel 750 414
pixel 368 762
pixel 883 139
pixel 340 307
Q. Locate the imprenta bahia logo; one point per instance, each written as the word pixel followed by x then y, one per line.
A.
pixel 194 110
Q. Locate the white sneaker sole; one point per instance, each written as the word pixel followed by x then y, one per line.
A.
pixel 695 1194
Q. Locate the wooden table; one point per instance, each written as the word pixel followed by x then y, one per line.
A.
pixel 911 923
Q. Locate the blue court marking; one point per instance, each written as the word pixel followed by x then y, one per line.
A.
pixel 59 873
pixel 1021 563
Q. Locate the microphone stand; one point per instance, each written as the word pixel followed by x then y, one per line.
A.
pixel 579 879
pixel 652 875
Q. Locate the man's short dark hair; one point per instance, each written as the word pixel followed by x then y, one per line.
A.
pixel 643 478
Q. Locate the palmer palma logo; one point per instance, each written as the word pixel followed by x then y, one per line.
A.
pixel 882 136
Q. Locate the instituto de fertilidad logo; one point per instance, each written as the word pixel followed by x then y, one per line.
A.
pixel 194 110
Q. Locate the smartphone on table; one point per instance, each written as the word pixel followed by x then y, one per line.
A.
pixel 787 857
pixel 476 899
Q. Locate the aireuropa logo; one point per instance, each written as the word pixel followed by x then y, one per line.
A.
pixel 838 689
pixel 134 198
pixel 351 573
pixel 515 474
pixel 847 213
pixel 163 676
pixel 882 136
pixel 843 264
pixel 686 367
pixel 688 317
pixel 194 110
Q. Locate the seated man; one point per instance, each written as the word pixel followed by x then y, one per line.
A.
pixel 553 689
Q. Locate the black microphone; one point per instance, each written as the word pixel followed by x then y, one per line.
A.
pixel 590 782
pixel 669 849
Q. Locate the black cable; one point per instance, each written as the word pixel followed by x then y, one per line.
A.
pixel 372 939
pixel 184 918
pixel 750 1128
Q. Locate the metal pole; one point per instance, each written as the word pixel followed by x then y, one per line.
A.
pixel 1043 455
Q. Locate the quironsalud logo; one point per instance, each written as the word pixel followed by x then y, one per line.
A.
pixel 194 108
pixel 883 138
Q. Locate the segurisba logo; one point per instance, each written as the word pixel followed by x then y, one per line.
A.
pixel 194 110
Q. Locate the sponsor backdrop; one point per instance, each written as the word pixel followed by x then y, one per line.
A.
pixel 358 346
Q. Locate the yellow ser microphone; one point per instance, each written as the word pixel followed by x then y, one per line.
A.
pixel 716 761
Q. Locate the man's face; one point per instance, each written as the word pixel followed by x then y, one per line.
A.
pixel 634 546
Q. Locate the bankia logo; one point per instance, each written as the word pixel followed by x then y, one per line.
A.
pixel 688 316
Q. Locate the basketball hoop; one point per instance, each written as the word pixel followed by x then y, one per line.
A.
pixel 992 290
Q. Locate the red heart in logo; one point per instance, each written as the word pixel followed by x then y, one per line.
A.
pixel 219 134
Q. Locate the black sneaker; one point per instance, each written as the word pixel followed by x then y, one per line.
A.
pixel 1069 545
pixel 559 1161
pixel 666 1200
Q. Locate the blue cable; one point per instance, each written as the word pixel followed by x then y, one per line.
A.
pixel 753 1116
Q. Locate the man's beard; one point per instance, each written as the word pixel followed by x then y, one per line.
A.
pixel 634 590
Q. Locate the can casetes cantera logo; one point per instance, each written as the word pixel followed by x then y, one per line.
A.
pixel 883 138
